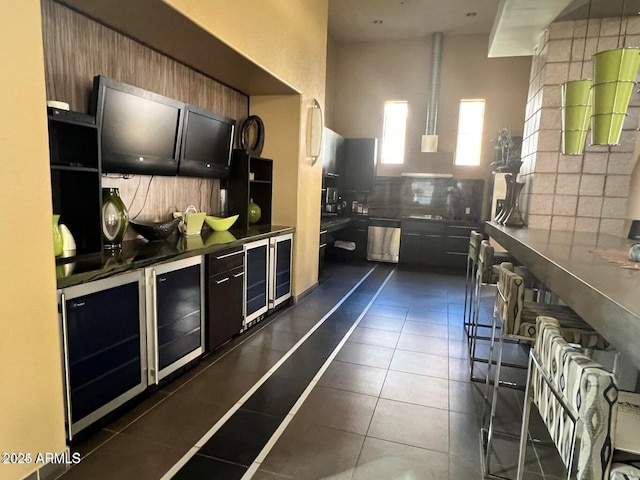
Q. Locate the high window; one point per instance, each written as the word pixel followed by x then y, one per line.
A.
pixel 470 122
pixel 394 132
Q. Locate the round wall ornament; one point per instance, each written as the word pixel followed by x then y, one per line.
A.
pixel 252 135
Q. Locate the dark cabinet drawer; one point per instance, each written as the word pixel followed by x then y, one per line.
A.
pixel 225 260
pixel 457 244
pixel 423 226
pixel 224 300
pixel 462 230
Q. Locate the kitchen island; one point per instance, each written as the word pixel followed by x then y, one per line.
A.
pixel 572 265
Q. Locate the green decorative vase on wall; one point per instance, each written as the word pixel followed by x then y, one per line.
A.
pixel 115 218
pixel 254 212
pixel 57 237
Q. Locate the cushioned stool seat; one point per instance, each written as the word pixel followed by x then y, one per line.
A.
pixel 587 417
pixel 517 320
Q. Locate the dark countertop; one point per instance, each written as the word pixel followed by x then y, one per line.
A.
pixel 140 253
pixel 331 224
pixel 602 292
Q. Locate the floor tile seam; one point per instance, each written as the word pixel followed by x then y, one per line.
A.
pixel 405 349
pixel 423 335
pixel 220 460
pixel 116 432
pixel 409 444
pixel 259 383
pixel 380 393
pixel 416 405
pixel 296 407
pixel 319 385
pixel 363 364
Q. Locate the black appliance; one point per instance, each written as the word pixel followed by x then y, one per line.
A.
pixel 140 130
pixel 207 142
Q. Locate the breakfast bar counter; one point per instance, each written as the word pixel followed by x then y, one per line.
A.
pixel 583 269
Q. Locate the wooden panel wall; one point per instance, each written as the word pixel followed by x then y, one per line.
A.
pixel 77 48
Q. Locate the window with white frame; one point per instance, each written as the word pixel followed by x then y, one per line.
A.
pixel 393 132
pixel 470 123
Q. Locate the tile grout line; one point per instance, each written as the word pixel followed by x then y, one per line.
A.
pixel 366 434
pixel 187 456
pixel 275 437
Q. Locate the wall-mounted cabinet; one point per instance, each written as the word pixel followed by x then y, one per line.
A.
pixel 74 155
pixel 357 161
pixel 331 142
pixel 250 179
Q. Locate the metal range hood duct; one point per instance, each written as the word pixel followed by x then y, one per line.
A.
pixel 430 140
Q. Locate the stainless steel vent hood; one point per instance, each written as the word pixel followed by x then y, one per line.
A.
pixel 430 140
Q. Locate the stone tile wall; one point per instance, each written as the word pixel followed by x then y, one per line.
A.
pixel 586 193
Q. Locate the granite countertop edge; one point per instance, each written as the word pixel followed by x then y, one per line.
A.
pixel 137 254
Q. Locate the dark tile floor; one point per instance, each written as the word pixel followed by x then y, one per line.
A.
pixel 395 402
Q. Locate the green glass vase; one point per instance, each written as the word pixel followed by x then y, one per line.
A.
pixel 115 218
pixel 254 212
pixel 57 236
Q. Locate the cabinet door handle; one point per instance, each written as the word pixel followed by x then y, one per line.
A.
pixel 67 374
pixel 322 232
pixel 411 234
pixel 218 282
pixel 220 257
pixel 238 274
pixel 323 245
pixel 156 359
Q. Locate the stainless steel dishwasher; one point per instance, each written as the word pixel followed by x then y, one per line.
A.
pixel 383 244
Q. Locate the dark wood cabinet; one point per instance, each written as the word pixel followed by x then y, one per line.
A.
pixel 357 162
pixel 225 295
pixel 331 142
pixel 361 236
pixel 250 179
pixel 74 156
pixel 175 314
pixel 435 243
pixel 321 253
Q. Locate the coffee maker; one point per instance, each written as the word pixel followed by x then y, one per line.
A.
pixel 330 200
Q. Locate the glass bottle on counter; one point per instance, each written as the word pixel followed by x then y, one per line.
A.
pixel 115 219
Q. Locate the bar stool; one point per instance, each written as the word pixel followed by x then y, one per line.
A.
pixel 472 261
pixel 517 320
pixel 486 275
pixel 578 401
pixel 475 240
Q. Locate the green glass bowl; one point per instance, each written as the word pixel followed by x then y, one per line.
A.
pixel 220 224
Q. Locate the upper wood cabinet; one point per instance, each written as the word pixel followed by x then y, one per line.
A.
pixel 357 161
pixel 331 142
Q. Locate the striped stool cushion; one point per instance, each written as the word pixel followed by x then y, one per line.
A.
pixel 589 392
pixel 625 471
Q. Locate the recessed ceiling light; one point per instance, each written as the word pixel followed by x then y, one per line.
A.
pixel 472 14
pixel 377 21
